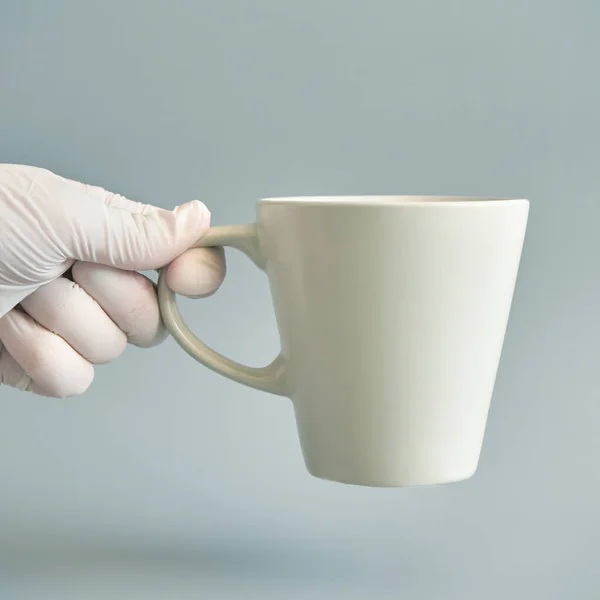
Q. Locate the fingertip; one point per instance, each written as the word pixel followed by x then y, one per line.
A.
pixel 197 273
pixel 193 221
pixel 195 213
pixel 194 205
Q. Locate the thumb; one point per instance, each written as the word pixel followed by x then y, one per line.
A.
pixel 114 231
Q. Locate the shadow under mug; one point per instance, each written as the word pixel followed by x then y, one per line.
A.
pixel 392 312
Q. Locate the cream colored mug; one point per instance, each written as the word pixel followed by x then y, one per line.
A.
pixel 392 312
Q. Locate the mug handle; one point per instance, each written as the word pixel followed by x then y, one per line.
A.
pixel 267 379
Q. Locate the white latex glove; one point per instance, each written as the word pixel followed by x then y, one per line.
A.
pixel 70 296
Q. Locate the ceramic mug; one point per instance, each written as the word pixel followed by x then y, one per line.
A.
pixel 392 312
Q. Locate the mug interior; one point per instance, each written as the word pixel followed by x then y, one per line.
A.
pixel 386 200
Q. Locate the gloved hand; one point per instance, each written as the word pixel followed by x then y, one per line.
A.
pixel 70 296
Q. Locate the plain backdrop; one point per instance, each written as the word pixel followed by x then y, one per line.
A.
pixel 184 483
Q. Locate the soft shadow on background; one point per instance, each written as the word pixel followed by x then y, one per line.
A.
pixel 63 568
pixel 164 475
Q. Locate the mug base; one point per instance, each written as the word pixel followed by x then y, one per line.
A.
pixel 394 482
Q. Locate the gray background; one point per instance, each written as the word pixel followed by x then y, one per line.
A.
pixel 142 489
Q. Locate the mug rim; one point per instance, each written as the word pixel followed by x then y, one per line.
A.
pixel 393 200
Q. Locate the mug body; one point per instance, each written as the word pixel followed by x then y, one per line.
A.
pixel 392 312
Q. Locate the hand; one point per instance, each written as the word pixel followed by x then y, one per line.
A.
pixel 70 296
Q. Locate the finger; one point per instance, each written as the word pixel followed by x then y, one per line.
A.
pixel 55 368
pixel 111 230
pixel 60 186
pixel 140 241
pixel 197 273
pixel 110 199
pixel 127 297
pixel 64 308
pixel 94 225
